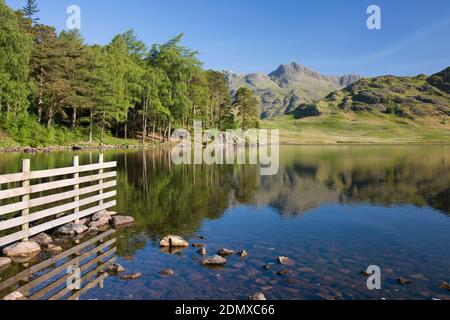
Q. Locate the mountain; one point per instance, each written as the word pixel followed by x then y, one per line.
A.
pixel 410 98
pixel 290 85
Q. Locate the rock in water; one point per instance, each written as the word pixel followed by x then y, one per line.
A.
pixel 118 221
pixel 4 262
pixel 198 245
pixel 283 260
pixel 214 261
pixel 267 267
pixel 42 239
pixel 243 254
pixel 257 297
pixel 174 241
pixel 52 249
pixel 167 272
pixel 22 249
pixel 445 285
pixel 133 276
pixel 202 252
pixel 72 229
pixel 283 272
pixel 100 222
pixel 403 281
pixel 115 268
pixel 225 252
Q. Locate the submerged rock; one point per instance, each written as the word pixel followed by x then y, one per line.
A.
pixel 42 239
pixel 283 272
pixel 115 268
pixel 257 297
pixel 267 267
pixel 167 272
pixel 198 245
pixel 4 262
pixel 200 237
pixel 52 249
pixel 118 221
pixel 403 281
pixel 133 276
pixel 225 252
pixel 23 249
pixel 72 229
pixel 174 241
pixel 214 261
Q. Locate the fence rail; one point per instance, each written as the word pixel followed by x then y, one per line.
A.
pixel 89 191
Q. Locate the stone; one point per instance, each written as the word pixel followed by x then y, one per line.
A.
pixel 198 245
pixel 52 249
pixel 100 215
pixel 267 267
pixel 403 281
pixel 202 252
pixel 283 272
pixel 72 229
pixel 225 252
pixel 16 295
pixel 23 249
pixel 243 254
pixel 283 260
pixel 115 268
pixel 167 272
pixel 100 222
pixel 133 276
pixel 42 239
pixel 4 262
pixel 257 297
pixel 174 241
pixel 118 221
pixel 214 261
pixel 445 285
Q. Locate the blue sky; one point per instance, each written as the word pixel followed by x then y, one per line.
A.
pixel 329 36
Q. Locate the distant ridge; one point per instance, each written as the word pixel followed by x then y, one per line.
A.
pixel 290 85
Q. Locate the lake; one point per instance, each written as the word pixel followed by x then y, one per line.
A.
pixel 333 210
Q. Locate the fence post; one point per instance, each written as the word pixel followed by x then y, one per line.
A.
pixel 100 160
pixel 76 164
pixel 26 197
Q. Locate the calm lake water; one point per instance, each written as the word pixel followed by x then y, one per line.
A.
pixel 333 210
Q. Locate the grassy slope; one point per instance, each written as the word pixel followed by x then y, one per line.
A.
pixel 363 127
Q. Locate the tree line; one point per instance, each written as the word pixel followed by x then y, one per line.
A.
pixel 124 88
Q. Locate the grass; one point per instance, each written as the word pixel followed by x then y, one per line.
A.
pixel 363 128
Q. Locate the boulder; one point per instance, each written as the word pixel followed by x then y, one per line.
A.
pixel 72 229
pixel 214 261
pixel 42 239
pixel 167 272
pixel 115 268
pixel 283 260
pixel 23 249
pixel 4 262
pixel 16 295
pixel 173 241
pixel 257 297
pixel 52 249
pixel 118 221
pixel 225 252
pixel 101 215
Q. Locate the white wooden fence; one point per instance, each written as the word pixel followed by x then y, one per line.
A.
pixel 86 188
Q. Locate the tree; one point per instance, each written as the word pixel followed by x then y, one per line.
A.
pixel 219 111
pixel 15 54
pixel 247 106
pixel 30 10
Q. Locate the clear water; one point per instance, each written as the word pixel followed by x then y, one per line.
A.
pixel 333 210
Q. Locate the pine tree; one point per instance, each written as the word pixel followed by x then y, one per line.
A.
pixel 30 10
